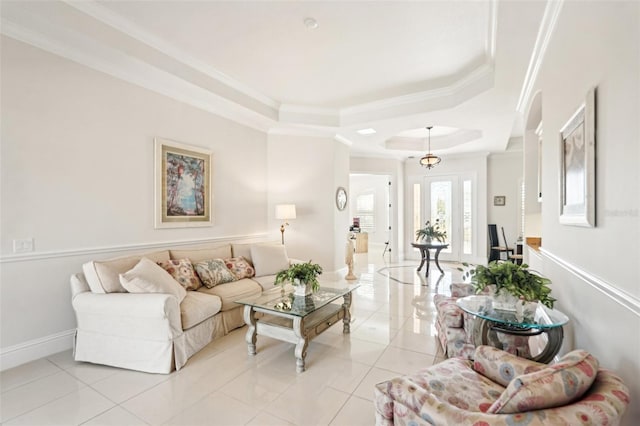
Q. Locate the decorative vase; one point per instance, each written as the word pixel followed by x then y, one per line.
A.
pixel 504 301
pixel 302 289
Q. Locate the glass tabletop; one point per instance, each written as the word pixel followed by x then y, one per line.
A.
pixel 482 306
pixel 277 301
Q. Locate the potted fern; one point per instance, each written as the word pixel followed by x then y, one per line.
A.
pixel 303 276
pixel 431 232
pixel 509 279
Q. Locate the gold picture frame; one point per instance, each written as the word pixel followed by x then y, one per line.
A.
pixel 577 165
pixel 183 194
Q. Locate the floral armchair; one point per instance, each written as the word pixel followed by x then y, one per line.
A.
pixel 499 388
pixel 455 327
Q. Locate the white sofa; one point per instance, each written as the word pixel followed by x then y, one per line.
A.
pixel 153 332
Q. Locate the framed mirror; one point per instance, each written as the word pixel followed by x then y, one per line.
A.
pixel 341 198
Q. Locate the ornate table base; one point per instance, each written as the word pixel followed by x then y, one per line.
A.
pixel 298 330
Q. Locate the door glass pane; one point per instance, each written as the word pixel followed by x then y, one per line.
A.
pixel 467 230
pixel 416 210
pixel 441 207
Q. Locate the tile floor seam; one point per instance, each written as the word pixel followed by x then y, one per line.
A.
pixel 35 379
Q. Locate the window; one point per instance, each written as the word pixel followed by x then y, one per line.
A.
pixel 365 210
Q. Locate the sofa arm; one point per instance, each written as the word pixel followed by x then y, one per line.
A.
pixel 154 316
pixel 461 289
pixel 501 366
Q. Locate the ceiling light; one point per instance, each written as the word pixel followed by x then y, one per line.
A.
pixel 430 160
pixel 310 23
pixel 368 131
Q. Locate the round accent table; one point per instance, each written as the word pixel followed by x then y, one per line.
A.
pixel 489 320
pixel 425 257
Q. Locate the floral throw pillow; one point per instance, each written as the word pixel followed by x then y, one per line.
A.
pixel 182 271
pixel 213 272
pixel 240 267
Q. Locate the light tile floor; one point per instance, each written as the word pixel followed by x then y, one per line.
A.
pixel 392 334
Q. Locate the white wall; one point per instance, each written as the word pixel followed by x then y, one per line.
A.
pixel 78 177
pixel 306 171
pixel 596 271
pixel 504 172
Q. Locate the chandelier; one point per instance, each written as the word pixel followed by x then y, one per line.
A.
pixel 430 160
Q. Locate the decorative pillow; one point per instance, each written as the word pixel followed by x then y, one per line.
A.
pixel 103 275
pixel 148 277
pixel 554 386
pixel 500 366
pixel 182 271
pixel 213 272
pixel 268 259
pixel 240 267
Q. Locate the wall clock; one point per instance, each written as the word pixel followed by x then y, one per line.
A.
pixel 341 198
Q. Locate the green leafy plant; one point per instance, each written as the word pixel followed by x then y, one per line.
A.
pixel 300 274
pixel 512 278
pixel 432 232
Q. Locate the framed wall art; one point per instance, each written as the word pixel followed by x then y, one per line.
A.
pixel 183 196
pixel 499 200
pixel 577 165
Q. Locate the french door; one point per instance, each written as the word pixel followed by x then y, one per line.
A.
pixel 449 200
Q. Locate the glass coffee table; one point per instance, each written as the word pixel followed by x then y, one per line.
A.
pixel 544 320
pixel 296 319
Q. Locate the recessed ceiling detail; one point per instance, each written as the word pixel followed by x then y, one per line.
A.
pixel 442 139
pixel 322 67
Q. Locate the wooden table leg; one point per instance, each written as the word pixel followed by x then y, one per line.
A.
pixel 428 262
pixel 346 321
pixel 301 347
pixel 250 320
pixel 422 259
pixel 438 263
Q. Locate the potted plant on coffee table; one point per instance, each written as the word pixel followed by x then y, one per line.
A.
pixel 431 232
pixel 303 277
pixel 513 284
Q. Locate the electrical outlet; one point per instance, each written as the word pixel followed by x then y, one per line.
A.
pixel 24 245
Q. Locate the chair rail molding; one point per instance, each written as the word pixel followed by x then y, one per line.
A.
pixel 27 257
pixel 621 297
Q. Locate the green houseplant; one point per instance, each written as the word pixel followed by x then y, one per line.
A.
pixel 511 278
pixel 431 232
pixel 303 276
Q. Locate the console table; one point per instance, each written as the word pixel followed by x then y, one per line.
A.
pixel 426 258
pixel 296 319
pixel 545 320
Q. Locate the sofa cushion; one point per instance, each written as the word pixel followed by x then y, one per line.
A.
pixel 103 275
pixel 149 277
pixel 244 249
pixel 204 253
pixel 240 267
pixel 269 259
pixel 267 282
pixel 182 271
pixel 213 272
pixel 197 307
pixel 554 386
pixel 230 292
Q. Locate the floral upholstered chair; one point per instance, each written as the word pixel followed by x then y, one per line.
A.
pixel 499 388
pixel 455 327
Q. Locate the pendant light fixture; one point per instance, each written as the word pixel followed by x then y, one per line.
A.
pixel 429 161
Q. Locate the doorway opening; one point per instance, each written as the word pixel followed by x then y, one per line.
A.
pixel 370 205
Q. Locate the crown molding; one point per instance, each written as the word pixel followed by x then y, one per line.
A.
pixel 87 52
pixel 547 27
pixel 120 23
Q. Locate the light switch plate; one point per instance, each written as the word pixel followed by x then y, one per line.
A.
pixel 23 245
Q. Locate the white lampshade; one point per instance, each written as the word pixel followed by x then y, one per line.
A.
pixel 286 211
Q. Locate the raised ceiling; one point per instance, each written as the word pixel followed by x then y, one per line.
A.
pixel 392 66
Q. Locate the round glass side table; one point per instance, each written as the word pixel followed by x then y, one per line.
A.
pixel 488 320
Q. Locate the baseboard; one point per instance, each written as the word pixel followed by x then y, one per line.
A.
pixel 34 349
